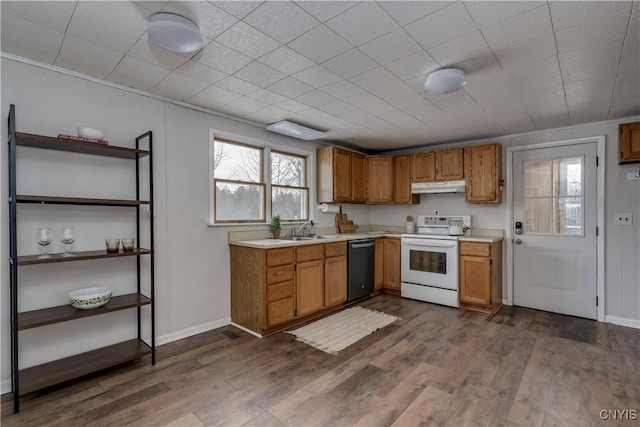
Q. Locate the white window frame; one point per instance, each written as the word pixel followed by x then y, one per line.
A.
pixel 266 168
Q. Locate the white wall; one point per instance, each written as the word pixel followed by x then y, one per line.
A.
pixel 192 259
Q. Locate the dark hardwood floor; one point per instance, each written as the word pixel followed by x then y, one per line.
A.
pixel 436 366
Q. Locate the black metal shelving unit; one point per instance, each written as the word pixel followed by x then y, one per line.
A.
pixel 27 380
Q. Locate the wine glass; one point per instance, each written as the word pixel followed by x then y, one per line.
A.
pixel 67 236
pixel 43 237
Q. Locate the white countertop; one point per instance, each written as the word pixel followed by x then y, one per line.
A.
pixel 326 238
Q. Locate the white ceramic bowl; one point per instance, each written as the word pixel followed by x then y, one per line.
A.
pixel 89 298
pixel 86 132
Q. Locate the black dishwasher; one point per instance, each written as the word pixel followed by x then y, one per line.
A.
pixel 360 259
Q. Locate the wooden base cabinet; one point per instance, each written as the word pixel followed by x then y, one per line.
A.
pixel 480 276
pixel 387 265
pixel 629 143
pixel 273 288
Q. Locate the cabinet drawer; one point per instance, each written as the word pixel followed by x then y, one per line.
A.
pixel 335 249
pixel 279 291
pixel 279 257
pixel 475 249
pixel 279 312
pixel 279 274
pixel 309 253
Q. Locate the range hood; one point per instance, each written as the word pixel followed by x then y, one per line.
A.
pixel 437 187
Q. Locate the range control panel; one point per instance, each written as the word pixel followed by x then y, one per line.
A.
pixel 441 221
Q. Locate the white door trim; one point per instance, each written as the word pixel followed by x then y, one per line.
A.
pixel 600 176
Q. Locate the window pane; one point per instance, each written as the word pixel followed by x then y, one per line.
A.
pixel 239 201
pixel 289 203
pixel 537 178
pixel 537 216
pixel 236 162
pixel 567 180
pixel 568 215
pixel 287 170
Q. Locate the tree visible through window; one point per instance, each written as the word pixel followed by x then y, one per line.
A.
pixel 289 194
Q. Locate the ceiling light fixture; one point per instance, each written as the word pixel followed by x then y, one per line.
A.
pixel 285 127
pixel 174 32
pixel 446 80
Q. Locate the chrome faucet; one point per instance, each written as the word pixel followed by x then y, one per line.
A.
pixel 301 229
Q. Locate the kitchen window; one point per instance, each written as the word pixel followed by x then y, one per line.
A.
pixel 250 182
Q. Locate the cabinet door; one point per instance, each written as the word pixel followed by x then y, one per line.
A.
pixel 341 175
pixel 391 267
pixel 379 265
pixel 629 143
pixel 449 164
pixel 309 287
pixel 280 311
pixel 482 170
pixel 475 280
pixel 335 280
pixel 423 167
pixel 380 185
pixel 358 178
pixel 402 179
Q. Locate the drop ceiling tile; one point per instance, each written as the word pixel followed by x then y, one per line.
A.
pixel 30 40
pixel 153 6
pixel 317 76
pixel 325 10
pixel 172 92
pixel 569 14
pixel 239 9
pixel 373 79
pixel 87 58
pixel 108 36
pixel 486 13
pixel 612 27
pixel 221 58
pixel 394 91
pixel 320 44
pixel 259 74
pixel 362 23
pixel 290 87
pixel 247 40
pixel 286 60
pixel 211 20
pixel 237 85
pixel 155 55
pixel 520 28
pixel 405 12
pixel 205 102
pixel 342 89
pixel 527 52
pixel 267 97
pixel 460 49
pixel 444 25
pixel 391 47
pixel 247 105
pixel 126 14
pixel 364 101
pixel 412 66
pixel 350 64
pixel 274 114
pixel 183 86
pixel 336 107
pixel 603 71
pixel 590 90
pixel 137 74
pixel 200 72
pixel 54 15
pixel 218 95
pixel 293 106
pixel 284 21
pixel 316 98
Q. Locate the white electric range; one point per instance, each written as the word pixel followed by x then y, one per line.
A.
pixel 429 260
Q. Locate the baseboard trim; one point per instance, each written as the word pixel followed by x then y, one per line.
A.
pixel 249 331
pixel 505 301
pixel 5 386
pixel 622 321
pixel 194 330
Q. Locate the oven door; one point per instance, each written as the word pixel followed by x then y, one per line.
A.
pixel 430 262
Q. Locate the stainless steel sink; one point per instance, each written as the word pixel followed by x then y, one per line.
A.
pixel 299 238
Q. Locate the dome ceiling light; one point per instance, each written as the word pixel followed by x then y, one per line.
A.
pixel 174 32
pixel 446 80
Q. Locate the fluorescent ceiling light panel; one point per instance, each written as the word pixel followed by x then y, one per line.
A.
pixel 446 80
pixel 174 32
pixel 285 127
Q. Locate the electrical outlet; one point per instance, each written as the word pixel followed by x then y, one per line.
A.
pixel 633 176
pixel 623 218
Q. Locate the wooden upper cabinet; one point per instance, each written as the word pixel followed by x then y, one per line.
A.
pixel 629 143
pixel 380 182
pixel 449 164
pixel 423 167
pixel 402 181
pixel 441 165
pixel 333 175
pixel 358 178
pixel 483 166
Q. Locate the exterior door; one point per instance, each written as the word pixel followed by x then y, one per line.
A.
pixel 555 256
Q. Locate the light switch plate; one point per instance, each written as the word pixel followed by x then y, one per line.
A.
pixel 633 176
pixel 623 218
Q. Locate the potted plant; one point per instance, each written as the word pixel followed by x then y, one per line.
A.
pixel 275 226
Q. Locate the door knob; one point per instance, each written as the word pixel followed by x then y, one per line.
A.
pixel 517 241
